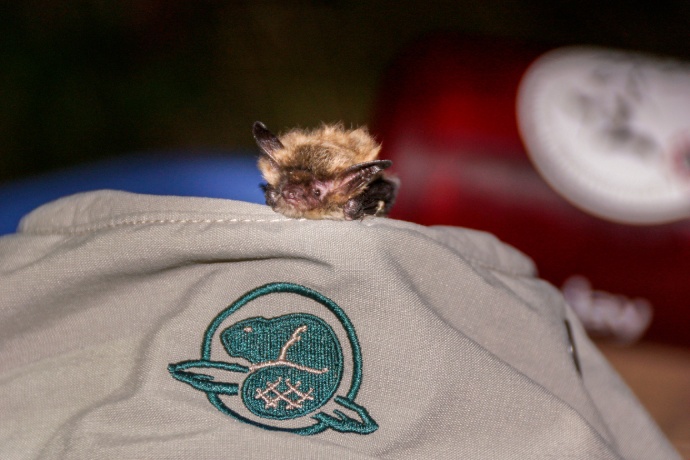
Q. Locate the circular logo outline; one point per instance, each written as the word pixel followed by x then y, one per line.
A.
pixel 339 422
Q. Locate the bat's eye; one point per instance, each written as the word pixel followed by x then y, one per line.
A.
pixel 316 192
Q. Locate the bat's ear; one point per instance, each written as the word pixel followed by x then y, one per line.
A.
pixel 362 174
pixel 266 140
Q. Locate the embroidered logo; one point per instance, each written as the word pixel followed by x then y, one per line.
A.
pixel 291 365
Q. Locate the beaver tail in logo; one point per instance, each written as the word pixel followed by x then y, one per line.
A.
pixel 296 365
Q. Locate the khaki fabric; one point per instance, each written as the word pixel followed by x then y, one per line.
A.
pixel 464 352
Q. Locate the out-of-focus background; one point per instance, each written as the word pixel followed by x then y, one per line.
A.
pixel 163 94
pixel 83 80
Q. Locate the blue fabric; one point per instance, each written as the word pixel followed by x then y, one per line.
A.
pixel 213 174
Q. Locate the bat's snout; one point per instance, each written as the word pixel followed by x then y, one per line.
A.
pixel 293 193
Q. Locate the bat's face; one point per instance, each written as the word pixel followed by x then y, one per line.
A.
pixel 316 183
pixel 298 193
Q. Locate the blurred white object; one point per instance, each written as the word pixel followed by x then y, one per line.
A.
pixel 607 315
pixel 610 131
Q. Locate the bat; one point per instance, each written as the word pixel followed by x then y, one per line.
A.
pixel 326 173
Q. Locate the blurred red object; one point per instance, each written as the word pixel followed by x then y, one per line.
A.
pixel 446 117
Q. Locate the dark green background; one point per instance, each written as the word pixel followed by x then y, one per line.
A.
pixel 83 80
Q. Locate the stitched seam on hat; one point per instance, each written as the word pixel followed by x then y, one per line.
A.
pixel 76 230
pixel 93 228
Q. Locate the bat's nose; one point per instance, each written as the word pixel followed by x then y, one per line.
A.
pixel 293 193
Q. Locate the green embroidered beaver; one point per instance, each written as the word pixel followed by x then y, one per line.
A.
pixel 296 363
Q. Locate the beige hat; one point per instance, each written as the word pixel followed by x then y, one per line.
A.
pixel 136 326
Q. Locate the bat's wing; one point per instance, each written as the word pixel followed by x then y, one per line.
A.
pixel 376 200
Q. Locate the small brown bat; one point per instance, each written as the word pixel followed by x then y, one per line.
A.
pixel 326 173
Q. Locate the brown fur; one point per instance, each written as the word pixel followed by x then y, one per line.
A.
pixel 326 151
pixel 313 162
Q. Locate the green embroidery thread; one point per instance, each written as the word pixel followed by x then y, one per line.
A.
pixel 296 366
